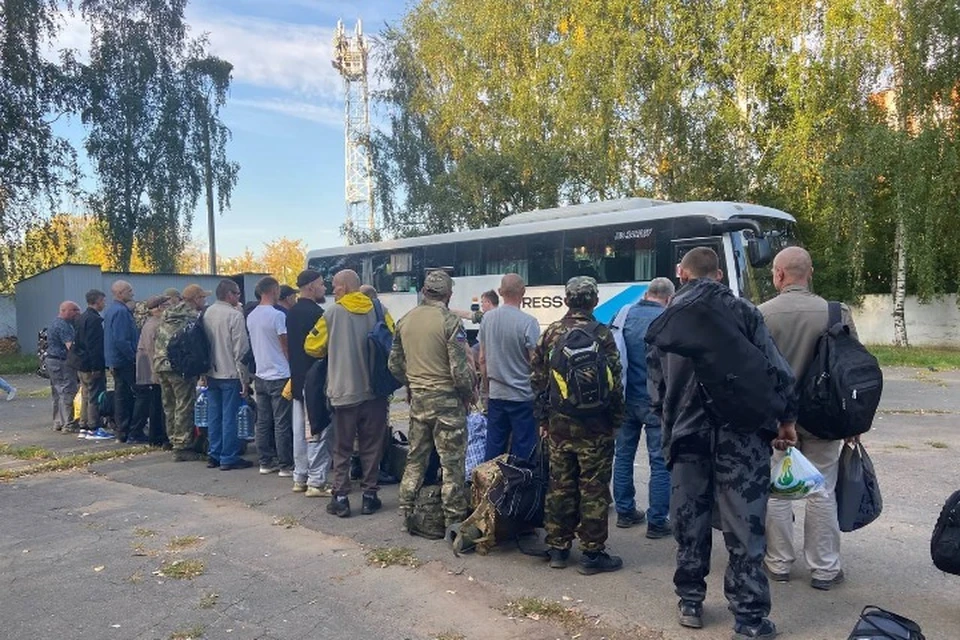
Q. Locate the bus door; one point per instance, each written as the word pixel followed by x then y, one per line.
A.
pixel 682 245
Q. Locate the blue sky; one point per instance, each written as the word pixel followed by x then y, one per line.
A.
pixel 285 110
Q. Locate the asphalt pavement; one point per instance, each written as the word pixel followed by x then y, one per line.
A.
pixel 78 551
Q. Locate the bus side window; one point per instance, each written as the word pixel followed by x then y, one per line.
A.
pixel 470 259
pixel 544 259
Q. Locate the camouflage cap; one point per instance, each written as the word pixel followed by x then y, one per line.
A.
pixel 438 282
pixel 581 287
pixel 171 293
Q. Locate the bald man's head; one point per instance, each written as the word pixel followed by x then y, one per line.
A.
pixel 512 288
pixel 69 310
pixel 344 282
pixel 369 290
pixel 792 266
pixel 122 291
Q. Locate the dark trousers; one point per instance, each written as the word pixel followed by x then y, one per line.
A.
pixel 143 399
pixel 274 431
pixel 512 421
pixel 158 424
pixel 722 477
pixel 92 384
pixel 124 380
pixel 364 422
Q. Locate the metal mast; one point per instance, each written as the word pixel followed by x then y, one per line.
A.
pixel 350 59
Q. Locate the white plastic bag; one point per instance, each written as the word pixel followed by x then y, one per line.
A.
pixel 794 477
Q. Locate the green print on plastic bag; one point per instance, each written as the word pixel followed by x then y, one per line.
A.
pixel 786 478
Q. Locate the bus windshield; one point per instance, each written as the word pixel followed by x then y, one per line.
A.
pixel 757 281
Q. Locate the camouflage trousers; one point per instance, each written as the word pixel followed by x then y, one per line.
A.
pixel 579 496
pixel 178 396
pixel 437 419
pixel 722 478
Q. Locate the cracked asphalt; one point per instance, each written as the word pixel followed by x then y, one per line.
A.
pixel 79 551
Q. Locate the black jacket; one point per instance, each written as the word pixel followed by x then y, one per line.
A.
pixel 675 394
pixel 86 354
pixel 300 320
pixel 315 397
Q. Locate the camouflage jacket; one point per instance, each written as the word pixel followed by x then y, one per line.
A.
pixel 565 426
pixel 430 352
pixel 173 319
pixel 140 314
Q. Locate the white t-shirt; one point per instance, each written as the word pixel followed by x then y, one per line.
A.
pixel 266 325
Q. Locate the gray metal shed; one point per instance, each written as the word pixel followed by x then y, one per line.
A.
pixel 39 296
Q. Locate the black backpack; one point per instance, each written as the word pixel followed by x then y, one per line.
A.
pixel 189 350
pixel 580 378
pixel 945 542
pixel 42 354
pixel 879 624
pixel 380 340
pixel 522 492
pixel 737 383
pixel 840 390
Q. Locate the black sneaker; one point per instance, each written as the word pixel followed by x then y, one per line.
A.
pixel 762 629
pixel 239 464
pixel 371 503
pixel 627 520
pixel 385 477
pixel 212 463
pixel 826 585
pixel 691 614
pixel 339 506
pixel 137 439
pixel 558 557
pixel 657 531
pixel 598 562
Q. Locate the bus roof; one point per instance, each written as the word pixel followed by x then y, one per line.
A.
pixel 572 217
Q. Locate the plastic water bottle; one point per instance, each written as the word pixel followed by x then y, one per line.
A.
pixel 200 409
pixel 245 422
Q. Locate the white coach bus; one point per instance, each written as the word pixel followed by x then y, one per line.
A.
pixel 622 243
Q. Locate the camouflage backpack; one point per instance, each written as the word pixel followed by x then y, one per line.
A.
pixel 426 519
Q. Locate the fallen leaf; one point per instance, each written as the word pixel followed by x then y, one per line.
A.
pixel 99 569
pixel 567 598
pixel 451 592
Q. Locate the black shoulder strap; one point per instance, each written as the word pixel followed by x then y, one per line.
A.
pixel 834 314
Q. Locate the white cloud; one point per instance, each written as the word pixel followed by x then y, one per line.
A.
pixel 320 113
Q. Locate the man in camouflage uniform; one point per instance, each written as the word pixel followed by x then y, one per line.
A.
pixel 430 356
pixel 720 473
pixel 178 393
pixel 581 449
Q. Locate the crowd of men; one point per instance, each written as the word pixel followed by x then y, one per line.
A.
pixel 703 472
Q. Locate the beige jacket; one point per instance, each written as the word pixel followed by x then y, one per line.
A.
pixel 796 318
pixel 227 333
pixel 145 351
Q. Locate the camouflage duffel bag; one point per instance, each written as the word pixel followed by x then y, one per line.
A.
pixel 426 518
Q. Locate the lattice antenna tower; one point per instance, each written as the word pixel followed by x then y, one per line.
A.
pixel 350 59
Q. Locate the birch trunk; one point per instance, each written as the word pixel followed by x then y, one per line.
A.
pixel 899 284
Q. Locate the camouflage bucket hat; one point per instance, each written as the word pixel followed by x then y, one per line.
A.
pixel 438 282
pixel 582 287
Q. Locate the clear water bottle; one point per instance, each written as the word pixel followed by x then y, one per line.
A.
pixel 245 422
pixel 200 409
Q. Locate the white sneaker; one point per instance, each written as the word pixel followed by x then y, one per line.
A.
pixel 265 471
pixel 284 473
pixel 82 435
pixel 11 395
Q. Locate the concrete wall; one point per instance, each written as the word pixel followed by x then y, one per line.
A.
pixel 8 317
pixel 936 323
pixel 38 297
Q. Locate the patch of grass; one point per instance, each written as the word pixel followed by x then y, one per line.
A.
pixel 384 557
pixel 182 569
pixel 72 461
pixel 31 452
pixel 17 363
pixel 287 522
pixel 42 392
pixel 914 412
pixel 136 578
pixel 180 543
pixel 939 358
pixel 209 600
pixel 142 532
pixel 193 633
pixel 936 444
pixel 540 609
pixel 450 635
pixel 901 446
pixel 140 549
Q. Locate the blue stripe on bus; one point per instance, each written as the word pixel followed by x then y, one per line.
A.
pixel 608 310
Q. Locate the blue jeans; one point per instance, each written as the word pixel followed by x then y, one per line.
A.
pixel 628 438
pixel 506 417
pixel 5 386
pixel 224 399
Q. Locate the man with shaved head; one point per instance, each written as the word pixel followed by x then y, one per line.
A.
pixel 796 318
pixel 341 336
pixel 508 337
pixel 120 338
pixel 63 377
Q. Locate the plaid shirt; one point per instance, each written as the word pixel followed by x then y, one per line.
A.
pixel 476 440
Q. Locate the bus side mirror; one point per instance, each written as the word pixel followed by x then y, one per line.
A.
pixel 759 251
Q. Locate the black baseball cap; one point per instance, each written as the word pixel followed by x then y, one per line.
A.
pixel 286 291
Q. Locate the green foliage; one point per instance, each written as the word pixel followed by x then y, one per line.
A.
pixel 844 113
pixel 933 358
